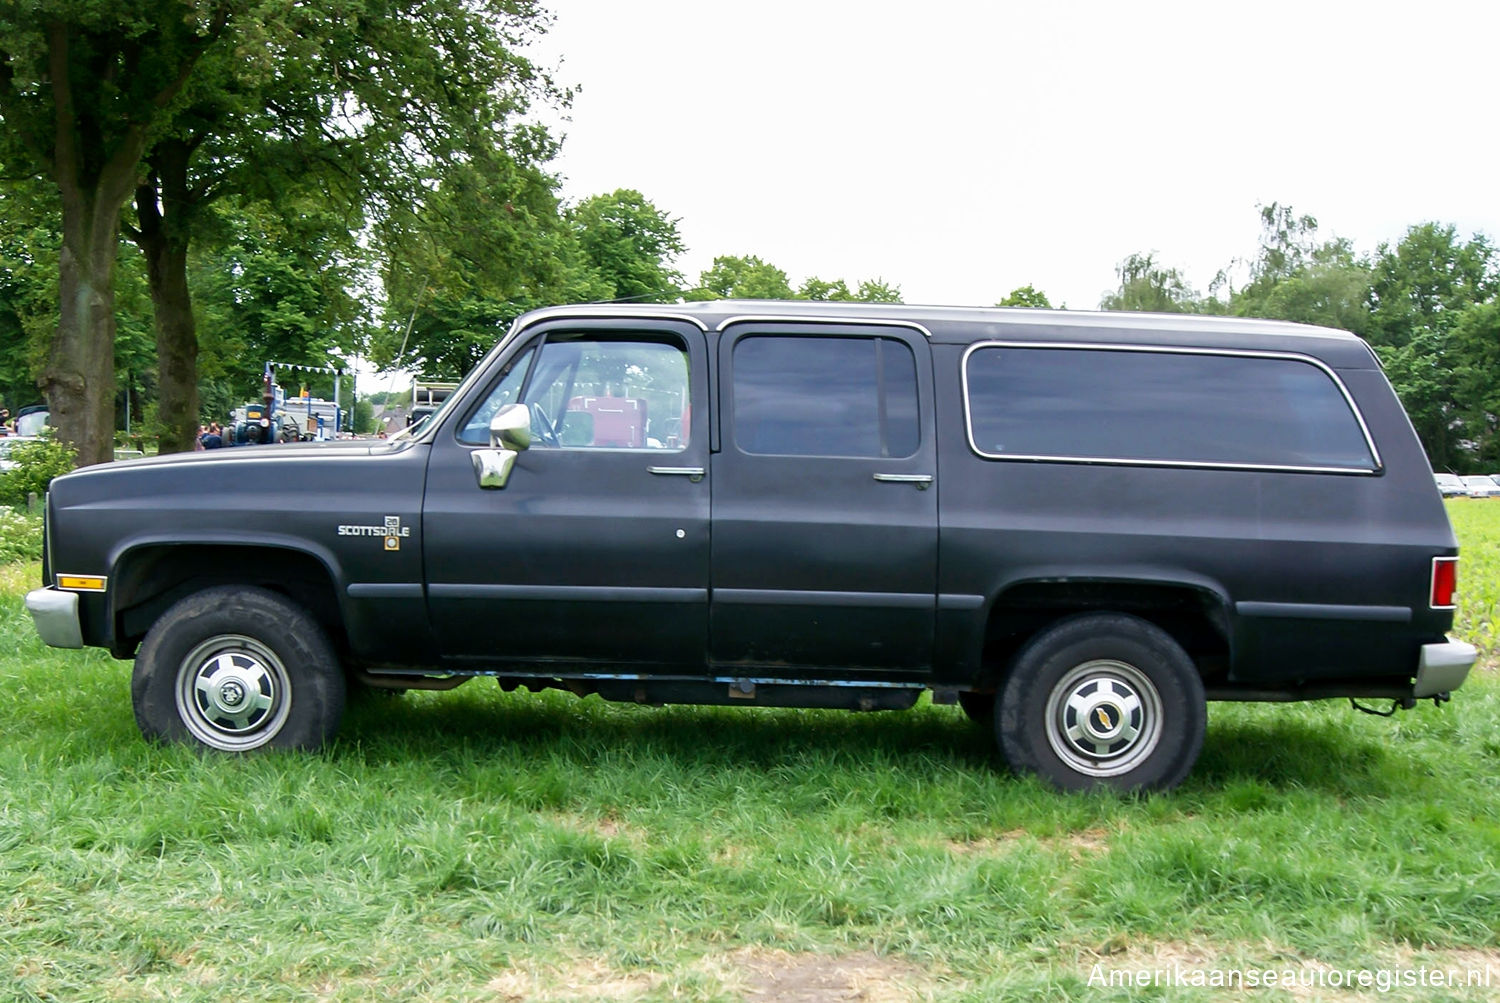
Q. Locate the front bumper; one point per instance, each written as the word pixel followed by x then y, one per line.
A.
pixel 56 617
pixel 1442 668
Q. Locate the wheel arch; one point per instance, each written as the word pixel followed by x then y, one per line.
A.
pixel 148 575
pixel 1195 611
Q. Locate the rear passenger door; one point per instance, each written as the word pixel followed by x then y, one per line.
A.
pixel 824 542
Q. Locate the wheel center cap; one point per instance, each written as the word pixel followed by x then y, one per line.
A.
pixel 1104 720
pixel 232 693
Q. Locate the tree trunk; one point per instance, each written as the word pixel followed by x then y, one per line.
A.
pixel 163 238
pixel 95 157
pixel 79 379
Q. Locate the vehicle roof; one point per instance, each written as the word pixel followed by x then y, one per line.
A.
pixel 965 325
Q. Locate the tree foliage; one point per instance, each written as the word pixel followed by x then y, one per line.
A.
pixel 1027 296
pixel 630 244
pixel 747 277
pixel 83 89
pixel 1147 285
pixel 37 463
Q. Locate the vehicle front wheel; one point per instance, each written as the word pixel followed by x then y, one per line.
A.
pixel 237 669
pixel 1102 700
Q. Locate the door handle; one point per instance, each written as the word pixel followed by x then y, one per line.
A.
pixel 694 474
pixel 922 481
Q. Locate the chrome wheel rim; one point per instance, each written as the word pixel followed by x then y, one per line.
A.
pixel 233 693
pixel 1104 718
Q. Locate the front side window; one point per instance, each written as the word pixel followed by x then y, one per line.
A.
pixel 825 396
pixel 1161 407
pixel 476 430
pixel 590 392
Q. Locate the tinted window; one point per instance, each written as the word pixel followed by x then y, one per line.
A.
pixel 1161 406
pixel 825 396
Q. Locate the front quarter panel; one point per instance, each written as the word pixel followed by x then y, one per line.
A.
pixel 310 519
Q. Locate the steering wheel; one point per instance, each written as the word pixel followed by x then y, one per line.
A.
pixel 544 429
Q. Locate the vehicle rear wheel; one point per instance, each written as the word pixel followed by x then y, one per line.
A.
pixel 238 669
pixel 1102 700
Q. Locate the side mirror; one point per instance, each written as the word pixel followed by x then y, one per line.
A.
pixel 511 427
pixel 510 432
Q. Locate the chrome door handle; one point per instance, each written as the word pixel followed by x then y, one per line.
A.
pixel 694 474
pixel 922 481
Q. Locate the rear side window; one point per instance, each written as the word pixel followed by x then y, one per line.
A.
pixel 817 396
pixel 1168 407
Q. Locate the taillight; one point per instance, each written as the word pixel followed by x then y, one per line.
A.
pixel 1444 582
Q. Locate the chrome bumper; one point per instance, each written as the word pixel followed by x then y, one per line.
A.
pixel 1442 668
pixel 56 617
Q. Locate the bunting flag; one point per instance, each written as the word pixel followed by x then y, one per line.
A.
pixel 298 367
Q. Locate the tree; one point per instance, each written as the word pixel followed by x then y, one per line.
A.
pixel 29 244
pixel 868 291
pixel 1026 296
pixel 82 87
pixel 1427 280
pixel 364 103
pixel 485 245
pixel 276 288
pixel 821 291
pixel 1146 285
pixel 1296 277
pixel 746 277
pixel 877 291
pixel 630 244
pixel 1422 290
pixel 363 416
pixel 1475 339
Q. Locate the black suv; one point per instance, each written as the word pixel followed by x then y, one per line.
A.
pixel 1077 526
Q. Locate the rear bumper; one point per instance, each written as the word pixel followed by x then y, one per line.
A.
pixel 1442 668
pixel 56 617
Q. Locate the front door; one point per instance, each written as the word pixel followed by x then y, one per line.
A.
pixel 595 553
pixel 825 502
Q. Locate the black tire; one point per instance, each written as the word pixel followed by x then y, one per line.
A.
pixel 1102 700
pixel 978 707
pixel 238 669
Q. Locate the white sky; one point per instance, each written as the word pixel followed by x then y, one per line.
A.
pixel 961 149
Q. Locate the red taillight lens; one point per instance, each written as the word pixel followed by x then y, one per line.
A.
pixel 1444 582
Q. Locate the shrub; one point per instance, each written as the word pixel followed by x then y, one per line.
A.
pixel 36 464
pixel 20 536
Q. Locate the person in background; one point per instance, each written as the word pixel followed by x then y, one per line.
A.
pixel 198 442
pixel 213 439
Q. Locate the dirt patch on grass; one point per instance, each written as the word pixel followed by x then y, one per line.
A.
pixel 780 977
pixel 584 980
pixel 1082 843
pixel 607 827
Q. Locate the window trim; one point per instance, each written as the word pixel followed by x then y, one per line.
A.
pixel 647 336
pixel 871 333
pixel 1327 370
pixel 814 320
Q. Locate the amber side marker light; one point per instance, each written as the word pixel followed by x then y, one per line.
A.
pixel 81 583
pixel 1444 582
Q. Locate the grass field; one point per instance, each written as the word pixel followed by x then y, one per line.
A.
pixel 481 846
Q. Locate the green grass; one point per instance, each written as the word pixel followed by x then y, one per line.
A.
pixel 1477 524
pixel 479 845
